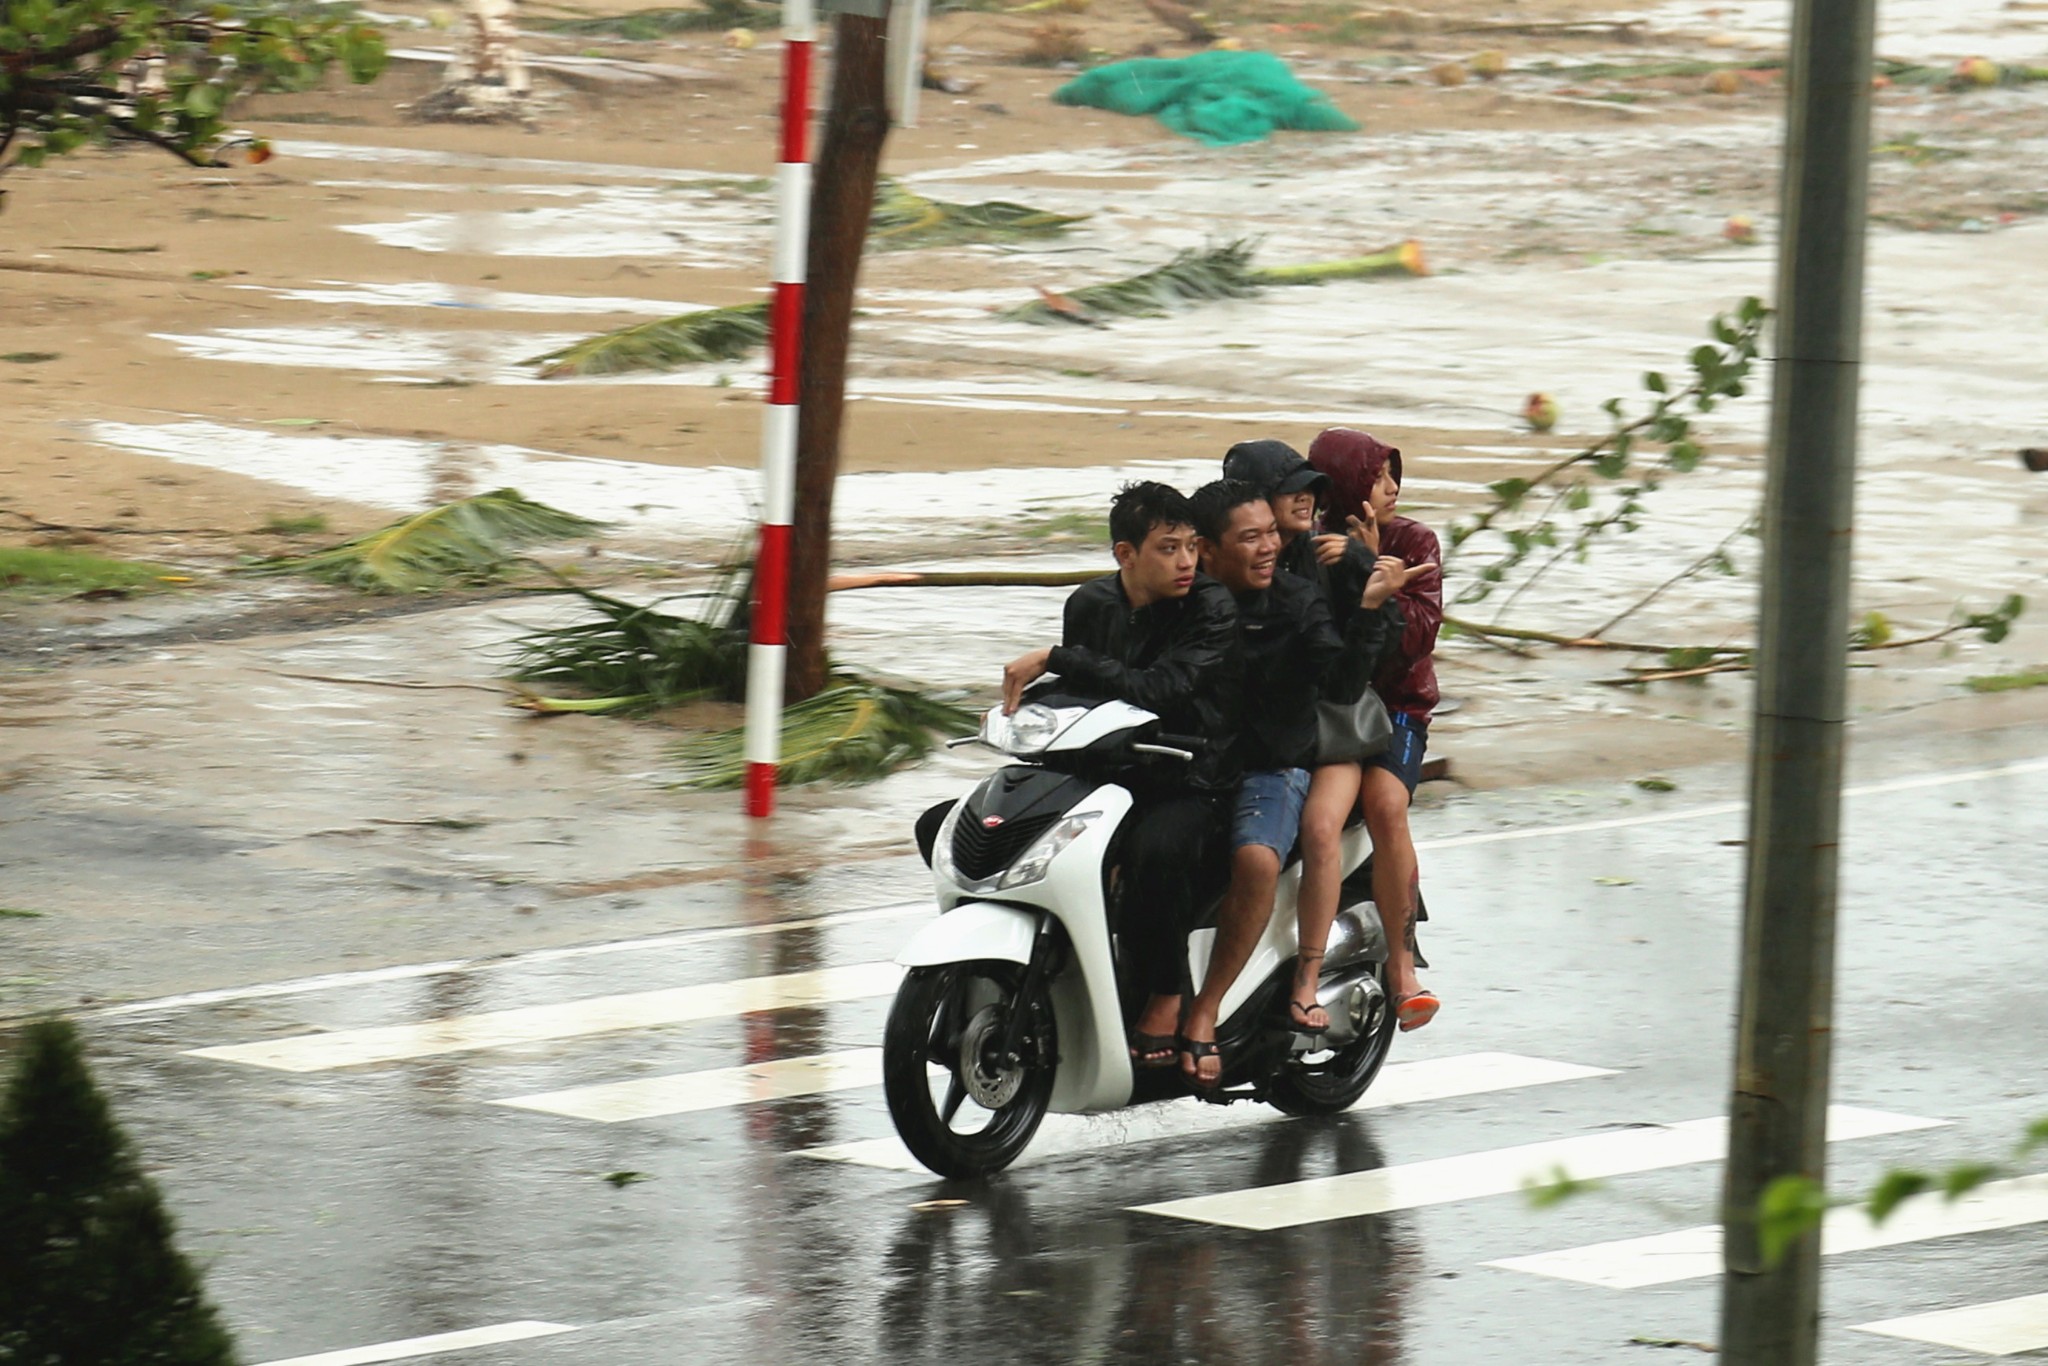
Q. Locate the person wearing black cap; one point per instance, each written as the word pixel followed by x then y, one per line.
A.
pixel 1293 657
pixel 1340 566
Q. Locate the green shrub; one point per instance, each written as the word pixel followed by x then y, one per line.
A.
pixel 89 1272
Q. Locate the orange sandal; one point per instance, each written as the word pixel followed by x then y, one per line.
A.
pixel 1416 1011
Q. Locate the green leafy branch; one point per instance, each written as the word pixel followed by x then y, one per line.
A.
pixel 1720 370
pixel 1793 1206
pixel 71 71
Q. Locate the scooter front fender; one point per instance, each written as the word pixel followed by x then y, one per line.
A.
pixel 970 931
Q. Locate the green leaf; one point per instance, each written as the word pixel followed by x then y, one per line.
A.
pixel 1219 273
pixel 1558 1188
pixel 1579 498
pixel 1790 1208
pixel 1895 1189
pixel 854 732
pixel 1874 630
pixel 472 538
pixel 711 334
pixel 1509 491
pixel 1685 457
pixel 2036 1136
pixel 1965 1177
pixel 1654 382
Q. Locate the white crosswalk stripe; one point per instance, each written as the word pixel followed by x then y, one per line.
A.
pixel 1661 1259
pixel 1497 1172
pixel 1998 1329
pixel 407 1348
pixel 1401 1083
pixel 651 1097
pixel 568 1020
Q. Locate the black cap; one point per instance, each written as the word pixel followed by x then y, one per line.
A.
pixel 1273 467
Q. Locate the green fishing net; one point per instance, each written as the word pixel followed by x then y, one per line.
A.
pixel 1216 97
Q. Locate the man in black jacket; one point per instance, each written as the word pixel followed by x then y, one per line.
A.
pixel 1293 658
pixel 1161 636
pixel 1295 488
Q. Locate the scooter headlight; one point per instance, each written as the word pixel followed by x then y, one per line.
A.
pixel 1039 857
pixel 1032 728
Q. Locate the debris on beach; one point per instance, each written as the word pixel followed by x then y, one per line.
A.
pixel 1216 97
pixel 1196 276
pixel 469 540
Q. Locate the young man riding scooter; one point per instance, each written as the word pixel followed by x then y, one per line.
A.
pixel 1159 635
pixel 1293 658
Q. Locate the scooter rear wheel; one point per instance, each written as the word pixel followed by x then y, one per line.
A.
pixel 1333 1084
pixel 961 1106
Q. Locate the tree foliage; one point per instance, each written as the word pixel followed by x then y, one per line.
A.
pixel 1568 520
pixel 74 72
pixel 88 1269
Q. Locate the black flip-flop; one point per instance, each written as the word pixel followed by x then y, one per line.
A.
pixel 1199 1049
pixel 1154 1050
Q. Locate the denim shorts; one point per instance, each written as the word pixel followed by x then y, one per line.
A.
pixel 1403 755
pixel 1269 809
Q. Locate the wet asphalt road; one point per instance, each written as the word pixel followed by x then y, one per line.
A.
pixel 370 1202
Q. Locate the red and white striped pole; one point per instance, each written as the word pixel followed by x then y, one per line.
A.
pixel 768 647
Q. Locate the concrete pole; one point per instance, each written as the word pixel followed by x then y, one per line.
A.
pixel 1770 1316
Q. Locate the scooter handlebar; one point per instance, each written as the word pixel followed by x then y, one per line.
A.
pixel 1167 751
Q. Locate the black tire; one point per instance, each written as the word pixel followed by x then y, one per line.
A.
pixel 1330 1085
pixel 957 1013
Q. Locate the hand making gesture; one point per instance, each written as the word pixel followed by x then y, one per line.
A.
pixel 1390 574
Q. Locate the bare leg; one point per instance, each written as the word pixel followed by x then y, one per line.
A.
pixel 1332 790
pixel 1393 874
pixel 1160 1017
pixel 1254 874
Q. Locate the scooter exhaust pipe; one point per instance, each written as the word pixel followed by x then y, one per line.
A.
pixel 1353 1003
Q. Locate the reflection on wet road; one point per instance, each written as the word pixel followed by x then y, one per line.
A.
pixel 610 1153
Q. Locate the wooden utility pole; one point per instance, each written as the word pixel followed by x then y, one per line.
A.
pixel 849 162
pixel 1770 1315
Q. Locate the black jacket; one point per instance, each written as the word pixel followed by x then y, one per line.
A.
pixel 1342 583
pixel 1178 657
pixel 1294 658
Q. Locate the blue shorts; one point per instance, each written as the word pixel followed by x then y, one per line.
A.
pixel 1269 809
pixel 1403 755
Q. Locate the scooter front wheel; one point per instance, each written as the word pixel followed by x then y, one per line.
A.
pixel 966 1090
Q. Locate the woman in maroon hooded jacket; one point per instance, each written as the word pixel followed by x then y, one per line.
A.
pixel 1365 480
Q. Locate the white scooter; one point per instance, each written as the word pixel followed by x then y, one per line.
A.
pixel 1014 1004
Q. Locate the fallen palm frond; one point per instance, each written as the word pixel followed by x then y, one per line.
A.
pixel 469 539
pixel 904 218
pixel 1403 258
pixel 650 25
pixel 1218 273
pixel 1224 272
pixel 855 731
pixel 635 657
pixel 711 334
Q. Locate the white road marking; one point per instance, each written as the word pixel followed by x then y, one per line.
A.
pixel 299 986
pixel 1496 1172
pixel 1997 1329
pixel 1690 1253
pixel 1690 813
pixel 408 971
pixel 568 1020
pixel 1401 1083
pixel 650 1097
pixel 428 1346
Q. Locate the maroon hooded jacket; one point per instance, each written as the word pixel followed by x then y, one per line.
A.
pixel 1353 461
